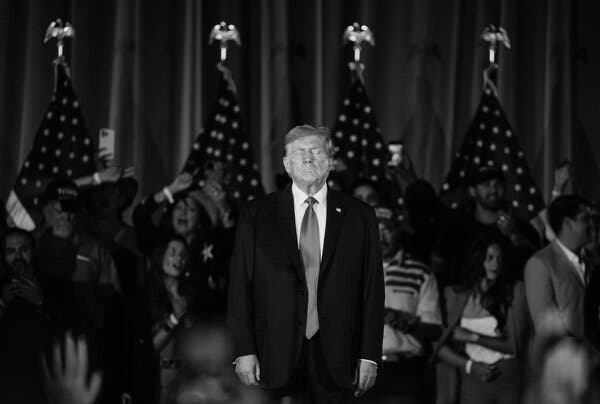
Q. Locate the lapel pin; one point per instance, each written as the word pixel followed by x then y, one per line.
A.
pixel 338 210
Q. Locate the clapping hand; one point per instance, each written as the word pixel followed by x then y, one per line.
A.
pixel 68 383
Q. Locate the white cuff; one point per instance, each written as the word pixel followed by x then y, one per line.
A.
pixel 370 361
pixel 96 179
pixel 468 366
pixel 168 195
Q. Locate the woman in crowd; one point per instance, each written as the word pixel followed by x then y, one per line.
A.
pixel 487 328
pixel 184 216
pixel 172 307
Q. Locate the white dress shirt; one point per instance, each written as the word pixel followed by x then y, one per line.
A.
pixel 574 259
pixel 320 209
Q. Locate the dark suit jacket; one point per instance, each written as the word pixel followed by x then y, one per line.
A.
pixel 551 281
pixel 268 296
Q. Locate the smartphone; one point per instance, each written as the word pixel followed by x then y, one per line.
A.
pixel 106 145
pixel 396 150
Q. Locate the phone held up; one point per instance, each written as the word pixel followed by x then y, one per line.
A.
pixel 396 150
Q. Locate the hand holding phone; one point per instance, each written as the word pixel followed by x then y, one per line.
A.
pixel 396 150
pixel 106 146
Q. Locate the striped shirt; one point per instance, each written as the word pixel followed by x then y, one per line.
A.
pixel 411 287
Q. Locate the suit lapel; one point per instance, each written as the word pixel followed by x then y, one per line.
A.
pixel 285 219
pixel 563 262
pixel 334 220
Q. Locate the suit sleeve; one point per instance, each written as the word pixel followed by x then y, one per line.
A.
pixel 539 292
pixel 240 307
pixel 373 295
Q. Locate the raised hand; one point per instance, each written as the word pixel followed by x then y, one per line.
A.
pixel 69 383
pixel 182 182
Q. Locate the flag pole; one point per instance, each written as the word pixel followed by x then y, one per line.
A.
pixel 493 36
pixel 357 34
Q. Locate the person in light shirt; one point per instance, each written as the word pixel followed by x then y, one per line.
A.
pixel 412 314
pixel 487 327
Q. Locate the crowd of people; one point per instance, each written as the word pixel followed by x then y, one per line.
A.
pixel 480 306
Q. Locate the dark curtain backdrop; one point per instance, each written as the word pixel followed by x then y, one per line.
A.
pixel 145 69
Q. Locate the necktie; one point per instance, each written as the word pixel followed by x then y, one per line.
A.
pixel 310 252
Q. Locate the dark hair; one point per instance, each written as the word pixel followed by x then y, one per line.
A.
pixel 498 298
pixel 156 292
pixel 204 224
pixel 565 206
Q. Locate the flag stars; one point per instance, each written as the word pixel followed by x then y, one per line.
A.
pixel 240 178
pixel 55 170
pixel 339 134
pixel 490 163
pixel 43 149
pixel 482 126
pixel 507 150
pixel 245 145
pixel 232 141
pixel 374 178
pixel 495 130
pixel 254 182
pixel 493 147
pixel 217 153
pixel 504 167
pixel 60 135
pixel 220 136
pixel 74 121
pixel 69 172
pixel 213 133
pixel 376 162
pixel 519 170
pixel 57 152
pixel 355 122
pixel 364 142
pixel 367 109
pixel 71 155
pixel 229 157
pixel 353 138
pixel 243 162
pixel 85 158
pixel 209 150
pixel 35 201
pixel 485 108
pixel 196 146
pixel 366 125
pixel 38 184
pixel 515 203
pixel 75 104
pixel 236 195
pixel 530 207
pixel 497 112
pixel 479 143
pixel 462 173
pixel 476 160
pixel 46 132
pixel 40 166
pixel 517 187
pixel 520 154
pixel 342 118
pixel 508 133
pixel 73 139
pixel 377 145
pixel 235 124
pixel 86 141
pixel 24 181
pixel 62 118
pixel 445 187
pixel 346 102
pixel 532 191
pixel 49 115
pixel 236 108
pixel 350 154
pixel 64 101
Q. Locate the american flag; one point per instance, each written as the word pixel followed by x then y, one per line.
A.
pixel 62 147
pixel 490 141
pixel 223 139
pixel 356 134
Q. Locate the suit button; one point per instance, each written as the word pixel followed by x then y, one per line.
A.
pixel 300 322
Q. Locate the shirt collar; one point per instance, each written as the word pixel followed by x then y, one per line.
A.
pixel 300 196
pixel 571 256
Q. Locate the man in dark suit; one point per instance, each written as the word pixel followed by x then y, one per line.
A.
pixel 557 277
pixel 306 287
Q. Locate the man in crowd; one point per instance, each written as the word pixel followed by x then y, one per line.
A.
pixel 557 277
pixel 412 314
pixel 490 215
pixel 306 289
pixel 23 326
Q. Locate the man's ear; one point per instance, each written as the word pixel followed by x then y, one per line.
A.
pixel 286 164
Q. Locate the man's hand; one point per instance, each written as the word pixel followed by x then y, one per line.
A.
pixel 399 319
pixel 248 369
pixel 364 377
pixel 30 292
pixel 562 175
pixel 68 383
pixel 181 183
pixel 462 335
pixel 110 174
pixel 484 372
pixel 9 292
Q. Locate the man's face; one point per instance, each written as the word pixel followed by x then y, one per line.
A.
pixel 388 235
pixel 61 223
pixel 306 160
pixel 581 226
pixel 490 194
pixel 185 216
pixel 18 255
pixel 367 194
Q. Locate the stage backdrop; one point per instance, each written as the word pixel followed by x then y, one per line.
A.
pixel 145 69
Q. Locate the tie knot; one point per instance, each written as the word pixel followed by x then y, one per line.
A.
pixel 311 201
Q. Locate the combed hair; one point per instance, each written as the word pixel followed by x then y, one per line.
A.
pixel 322 131
pixel 565 206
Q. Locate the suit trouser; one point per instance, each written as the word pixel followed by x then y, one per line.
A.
pixel 311 381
